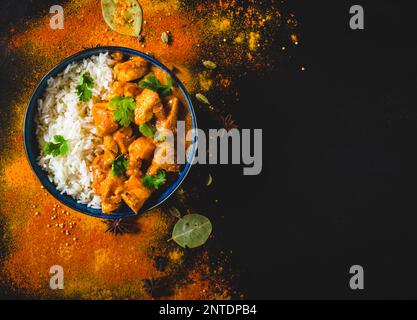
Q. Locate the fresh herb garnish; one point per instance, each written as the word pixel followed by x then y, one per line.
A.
pixel 147 130
pixel 84 88
pixel 123 108
pixel 60 148
pixel 119 166
pixel 152 83
pixel 153 182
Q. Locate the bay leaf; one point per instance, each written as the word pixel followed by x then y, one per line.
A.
pixel 116 11
pixel 192 231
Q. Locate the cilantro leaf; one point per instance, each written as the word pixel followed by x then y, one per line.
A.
pixel 119 166
pixel 84 88
pixel 153 182
pixel 60 148
pixel 123 108
pixel 152 83
pixel 166 91
pixel 147 130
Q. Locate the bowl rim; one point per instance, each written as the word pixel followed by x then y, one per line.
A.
pixel 42 176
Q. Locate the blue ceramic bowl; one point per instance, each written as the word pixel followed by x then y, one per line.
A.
pixel 32 147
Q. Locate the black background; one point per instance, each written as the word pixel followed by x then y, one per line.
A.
pixel 338 182
pixel 338 185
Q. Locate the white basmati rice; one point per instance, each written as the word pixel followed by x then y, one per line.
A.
pixel 61 113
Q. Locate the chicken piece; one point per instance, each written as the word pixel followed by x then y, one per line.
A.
pixel 110 145
pixel 123 138
pixel 155 166
pixel 117 56
pixel 134 68
pixel 111 191
pixel 110 150
pixel 159 112
pixel 161 75
pixel 142 148
pixel 164 158
pixel 131 90
pixel 170 122
pixel 135 194
pixel 100 172
pixel 145 103
pixel 103 119
pixel 127 89
pixel 134 168
pixel 117 89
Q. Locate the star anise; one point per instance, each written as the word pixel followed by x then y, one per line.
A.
pixel 121 226
pixel 161 263
pixel 148 285
pixel 158 288
pixel 228 122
